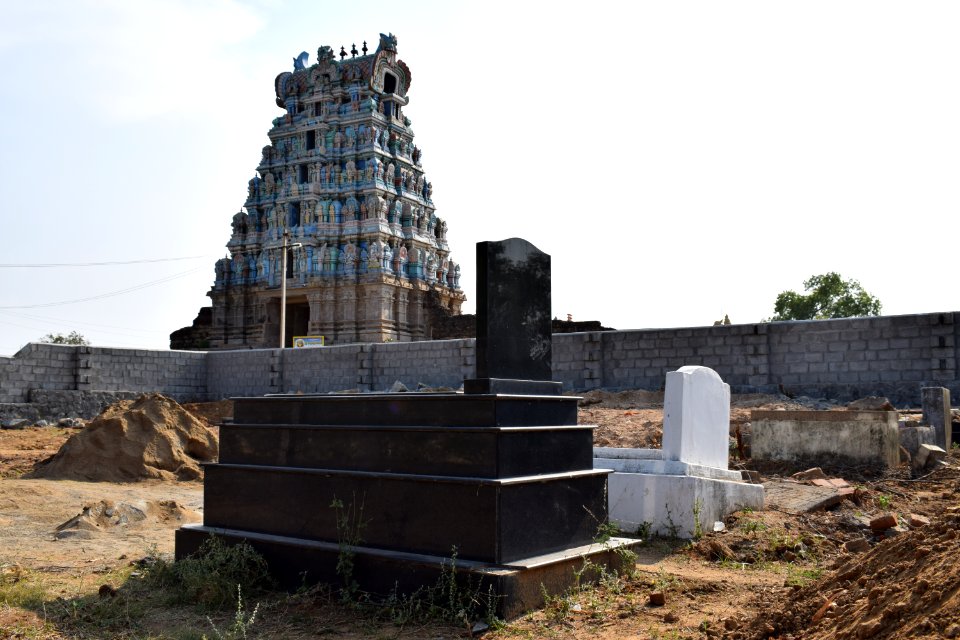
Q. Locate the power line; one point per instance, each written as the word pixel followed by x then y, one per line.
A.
pixel 44 265
pixel 60 321
pixel 105 295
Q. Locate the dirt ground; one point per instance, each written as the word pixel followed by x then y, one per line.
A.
pixel 768 574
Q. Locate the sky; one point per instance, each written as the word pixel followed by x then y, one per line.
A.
pixel 679 160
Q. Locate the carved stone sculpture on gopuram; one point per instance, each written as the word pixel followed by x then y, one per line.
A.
pixel 342 179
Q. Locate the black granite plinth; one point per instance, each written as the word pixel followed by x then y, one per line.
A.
pixel 408 409
pixel 512 387
pixel 520 586
pixel 481 452
pixel 513 311
pixel 486 520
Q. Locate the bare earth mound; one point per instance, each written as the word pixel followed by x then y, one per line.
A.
pixel 906 587
pixel 150 437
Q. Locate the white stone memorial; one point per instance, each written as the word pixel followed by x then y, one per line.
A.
pixel 686 486
pixel 696 417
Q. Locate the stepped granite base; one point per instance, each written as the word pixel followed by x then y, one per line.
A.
pixel 503 482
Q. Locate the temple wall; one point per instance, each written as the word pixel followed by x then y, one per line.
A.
pixel 844 359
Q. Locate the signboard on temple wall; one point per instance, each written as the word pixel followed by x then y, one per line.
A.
pixel 307 342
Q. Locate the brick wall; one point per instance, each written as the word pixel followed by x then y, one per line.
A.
pixel 887 355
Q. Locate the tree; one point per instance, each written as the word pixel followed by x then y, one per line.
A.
pixel 58 338
pixel 828 296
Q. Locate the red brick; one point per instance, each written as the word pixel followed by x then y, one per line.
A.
pixel 917 521
pixel 881 523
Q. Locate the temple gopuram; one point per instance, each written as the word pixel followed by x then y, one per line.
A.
pixel 341 185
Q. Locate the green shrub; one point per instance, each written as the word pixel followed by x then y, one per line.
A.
pixel 212 576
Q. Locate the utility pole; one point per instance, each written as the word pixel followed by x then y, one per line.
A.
pixel 283 288
pixel 283 291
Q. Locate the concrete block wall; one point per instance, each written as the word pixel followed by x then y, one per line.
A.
pixel 179 374
pixel 843 359
pixel 885 355
pixel 641 359
pixel 37 366
pixel 866 353
pixel 436 363
pixel 327 369
pixel 365 367
pixel 254 372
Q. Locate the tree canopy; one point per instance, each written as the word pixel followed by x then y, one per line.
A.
pixel 828 296
pixel 71 338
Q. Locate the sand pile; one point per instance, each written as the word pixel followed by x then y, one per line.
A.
pixel 905 587
pixel 150 437
pixel 213 413
pixel 104 516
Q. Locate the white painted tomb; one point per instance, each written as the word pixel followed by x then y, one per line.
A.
pixel 683 488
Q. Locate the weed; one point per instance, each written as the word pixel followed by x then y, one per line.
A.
pixel 587 568
pixel 626 561
pixel 455 598
pixel 556 608
pixel 20 588
pixel 461 600
pixel 697 526
pixel 664 581
pixel 883 501
pixel 350 526
pixel 800 577
pixel 241 621
pixel 752 526
pixel 210 577
pixel 673 531
pixel 643 531
pixel 606 531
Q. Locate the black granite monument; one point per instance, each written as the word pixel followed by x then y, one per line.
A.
pixel 514 346
pixel 501 475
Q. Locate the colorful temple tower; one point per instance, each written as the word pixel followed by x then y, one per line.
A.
pixel 341 183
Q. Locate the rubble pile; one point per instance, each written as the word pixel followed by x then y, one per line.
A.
pixel 907 586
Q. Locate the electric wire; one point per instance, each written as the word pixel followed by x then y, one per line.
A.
pixel 105 295
pixel 46 321
pixel 45 265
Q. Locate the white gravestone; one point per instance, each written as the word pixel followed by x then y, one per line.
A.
pixel 696 417
pixel 686 486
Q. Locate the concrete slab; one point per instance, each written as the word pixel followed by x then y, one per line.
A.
pixel 676 506
pixel 794 497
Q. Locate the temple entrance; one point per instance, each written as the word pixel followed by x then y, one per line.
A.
pixel 298 320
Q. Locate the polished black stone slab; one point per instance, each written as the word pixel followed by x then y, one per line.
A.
pixel 520 586
pixel 514 338
pixel 409 409
pixel 486 520
pixel 512 386
pixel 482 452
